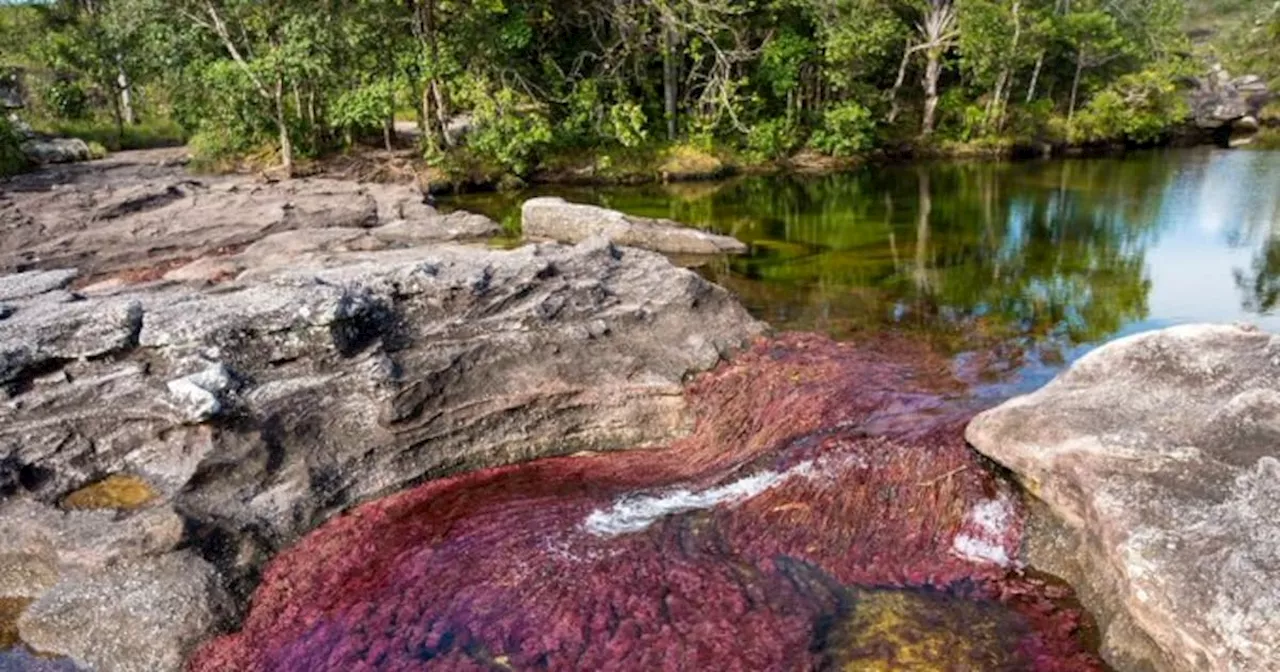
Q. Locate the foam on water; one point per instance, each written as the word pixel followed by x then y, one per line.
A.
pixel 634 513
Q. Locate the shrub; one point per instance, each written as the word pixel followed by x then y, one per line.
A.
pixel 362 110
pixel 67 99
pixel 627 123
pixel 846 129
pixel 510 129
pixel 12 160
pixel 772 139
pixel 1139 108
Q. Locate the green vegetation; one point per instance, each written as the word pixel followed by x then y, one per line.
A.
pixel 517 86
pixel 11 157
pixel 141 135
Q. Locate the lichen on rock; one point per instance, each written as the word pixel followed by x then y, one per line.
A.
pixel 117 491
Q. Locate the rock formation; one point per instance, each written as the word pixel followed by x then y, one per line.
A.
pixel 1221 102
pixel 140 214
pixel 549 218
pixel 1161 453
pixel 164 437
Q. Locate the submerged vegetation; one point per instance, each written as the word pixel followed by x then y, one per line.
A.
pixel 517 86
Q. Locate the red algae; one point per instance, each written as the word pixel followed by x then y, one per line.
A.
pixel 816 469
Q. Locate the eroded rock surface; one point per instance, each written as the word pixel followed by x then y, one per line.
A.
pixel 216 415
pixel 550 218
pixel 139 212
pixel 1162 451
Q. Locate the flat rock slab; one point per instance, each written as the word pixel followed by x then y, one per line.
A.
pixel 1162 450
pixel 139 616
pixel 550 218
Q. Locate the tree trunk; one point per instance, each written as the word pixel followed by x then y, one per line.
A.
pixel 1075 85
pixel 897 83
pixel 1035 77
pixel 282 124
pixel 932 71
pixel 670 87
pixel 435 86
pixel 990 119
pixel 126 94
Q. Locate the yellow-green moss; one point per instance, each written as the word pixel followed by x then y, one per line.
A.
pixel 118 491
pixel 917 631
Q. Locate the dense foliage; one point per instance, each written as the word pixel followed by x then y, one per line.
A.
pixel 515 81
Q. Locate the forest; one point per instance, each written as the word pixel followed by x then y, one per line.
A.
pixel 510 87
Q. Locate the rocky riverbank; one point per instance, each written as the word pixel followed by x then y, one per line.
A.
pixel 237 361
pixel 408 448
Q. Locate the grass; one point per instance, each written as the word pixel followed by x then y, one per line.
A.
pixel 1267 138
pixel 146 135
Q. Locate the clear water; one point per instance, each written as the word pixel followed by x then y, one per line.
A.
pixel 1016 268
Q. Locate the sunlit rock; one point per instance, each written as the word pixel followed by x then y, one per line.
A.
pixel 1162 452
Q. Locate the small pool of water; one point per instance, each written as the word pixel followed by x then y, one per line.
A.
pixel 1016 268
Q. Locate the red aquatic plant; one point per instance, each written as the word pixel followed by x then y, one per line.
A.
pixel 814 467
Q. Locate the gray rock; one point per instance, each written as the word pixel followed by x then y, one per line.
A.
pixel 34 283
pixel 201 395
pixel 144 218
pixel 144 615
pixel 1218 100
pixel 295 362
pixel 56 150
pixel 549 218
pixel 1162 453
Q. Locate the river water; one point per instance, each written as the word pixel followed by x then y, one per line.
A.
pixel 1016 268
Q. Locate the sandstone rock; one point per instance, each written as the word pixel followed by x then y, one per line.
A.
pixel 1162 451
pixel 138 616
pixel 263 367
pixel 140 214
pixel 548 218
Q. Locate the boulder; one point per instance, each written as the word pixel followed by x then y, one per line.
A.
pixel 549 218
pixel 139 616
pixel 56 150
pixel 1218 100
pixel 1160 455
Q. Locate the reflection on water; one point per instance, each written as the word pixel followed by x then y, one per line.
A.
pixel 1018 267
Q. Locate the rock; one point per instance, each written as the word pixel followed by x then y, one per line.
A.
pixel 249 370
pixel 1217 100
pixel 138 616
pixel 56 150
pixel 34 283
pixel 549 218
pixel 40 540
pixel 140 217
pixel 1162 453
pixel 201 396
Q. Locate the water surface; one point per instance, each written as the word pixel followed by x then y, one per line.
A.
pixel 1017 268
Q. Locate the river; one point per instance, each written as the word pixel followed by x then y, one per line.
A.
pixel 1017 268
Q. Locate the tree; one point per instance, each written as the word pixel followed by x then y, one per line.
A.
pixel 938 32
